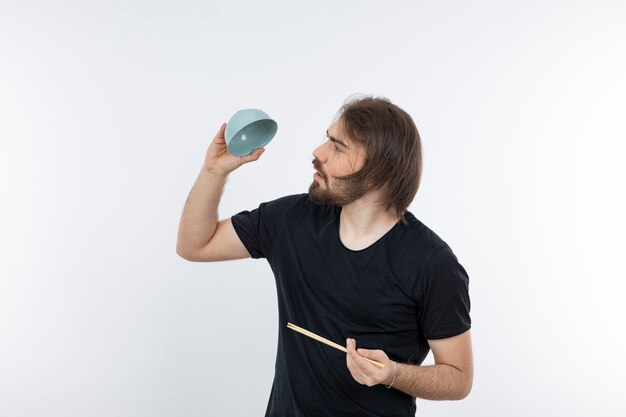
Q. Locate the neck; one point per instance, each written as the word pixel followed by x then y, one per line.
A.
pixel 364 221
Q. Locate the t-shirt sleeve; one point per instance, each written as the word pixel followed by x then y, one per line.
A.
pixel 257 228
pixel 444 303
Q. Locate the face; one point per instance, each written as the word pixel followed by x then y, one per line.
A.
pixel 338 156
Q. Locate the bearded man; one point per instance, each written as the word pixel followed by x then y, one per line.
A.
pixel 351 263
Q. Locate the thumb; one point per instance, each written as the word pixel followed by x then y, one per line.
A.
pixel 371 354
pixel 253 156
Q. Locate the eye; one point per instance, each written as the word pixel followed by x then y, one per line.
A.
pixel 335 146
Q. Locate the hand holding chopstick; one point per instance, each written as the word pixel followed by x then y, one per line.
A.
pixel 328 342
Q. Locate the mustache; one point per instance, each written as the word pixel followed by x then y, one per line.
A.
pixel 318 167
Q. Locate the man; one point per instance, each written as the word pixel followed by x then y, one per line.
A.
pixel 351 263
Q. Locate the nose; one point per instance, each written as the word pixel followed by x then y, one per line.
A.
pixel 320 153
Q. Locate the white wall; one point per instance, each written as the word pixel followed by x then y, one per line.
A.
pixel 106 109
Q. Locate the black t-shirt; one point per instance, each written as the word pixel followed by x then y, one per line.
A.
pixel 394 295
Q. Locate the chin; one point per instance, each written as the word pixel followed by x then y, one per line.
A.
pixel 317 195
pixel 314 188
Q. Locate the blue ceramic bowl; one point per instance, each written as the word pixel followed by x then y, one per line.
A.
pixel 248 130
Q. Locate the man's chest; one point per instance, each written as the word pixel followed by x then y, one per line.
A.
pixel 317 274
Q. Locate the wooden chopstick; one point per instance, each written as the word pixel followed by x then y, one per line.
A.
pixel 327 342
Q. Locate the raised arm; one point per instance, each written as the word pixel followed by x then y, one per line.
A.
pixel 201 237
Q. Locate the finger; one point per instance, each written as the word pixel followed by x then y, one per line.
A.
pixel 350 345
pixel 360 375
pixel 219 136
pixel 352 350
pixel 351 355
pixel 358 360
pixel 353 366
pixel 253 156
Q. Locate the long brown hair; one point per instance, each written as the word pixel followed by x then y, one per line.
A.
pixel 393 149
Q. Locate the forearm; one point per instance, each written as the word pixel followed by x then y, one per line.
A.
pixel 199 219
pixel 434 382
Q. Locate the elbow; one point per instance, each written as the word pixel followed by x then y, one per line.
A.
pixel 185 253
pixel 194 255
pixel 464 390
pixel 464 394
pixel 459 389
pixel 180 252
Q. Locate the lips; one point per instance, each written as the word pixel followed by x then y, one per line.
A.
pixel 317 165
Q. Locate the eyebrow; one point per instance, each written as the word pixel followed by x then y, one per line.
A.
pixel 334 139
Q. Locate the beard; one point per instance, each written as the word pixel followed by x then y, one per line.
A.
pixel 342 193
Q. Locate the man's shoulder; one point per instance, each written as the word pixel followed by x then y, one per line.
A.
pixel 424 242
pixel 295 199
pixel 296 203
pixel 421 231
pixel 288 202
